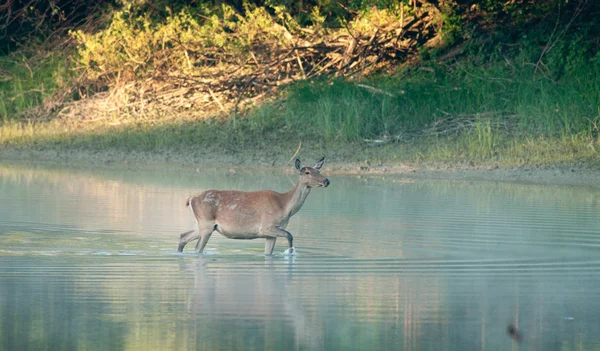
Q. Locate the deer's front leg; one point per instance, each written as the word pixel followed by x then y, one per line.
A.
pixel 275 232
pixel 269 245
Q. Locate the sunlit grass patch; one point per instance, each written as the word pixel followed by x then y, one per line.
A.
pixel 250 139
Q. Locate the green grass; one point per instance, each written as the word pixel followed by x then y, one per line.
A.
pixel 250 140
pixel 343 110
pixel 497 114
pixel 487 105
pixel 26 81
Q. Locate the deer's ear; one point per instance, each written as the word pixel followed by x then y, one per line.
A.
pixel 297 164
pixel 319 164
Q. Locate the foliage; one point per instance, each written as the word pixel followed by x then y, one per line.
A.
pixel 507 96
pixel 28 79
pixel 492 76
pixel 135 47
pixel 479 114
pixel 203 56
pixel 24 20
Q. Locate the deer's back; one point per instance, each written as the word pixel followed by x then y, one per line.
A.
pixel 235 205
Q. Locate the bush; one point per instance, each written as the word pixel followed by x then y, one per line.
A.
pixel 189 42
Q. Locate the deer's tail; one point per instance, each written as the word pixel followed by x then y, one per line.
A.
pixel 190 205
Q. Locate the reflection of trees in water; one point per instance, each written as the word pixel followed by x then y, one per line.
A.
pixel 136 201
pixel 45 312
pixel 120 200
pixel 212 302
pixel 253 309
pixel 287 307
pixel 88 201
pixel 534 302
pixel 353 290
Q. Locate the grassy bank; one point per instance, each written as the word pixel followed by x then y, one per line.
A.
pixel 487 86
pixel 495 115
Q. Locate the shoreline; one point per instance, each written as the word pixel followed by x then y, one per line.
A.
pixel 580 174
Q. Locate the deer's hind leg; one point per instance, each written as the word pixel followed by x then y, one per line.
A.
pixel 186 237
pixel 205 232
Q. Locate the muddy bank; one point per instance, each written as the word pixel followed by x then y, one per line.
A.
pixel 547 175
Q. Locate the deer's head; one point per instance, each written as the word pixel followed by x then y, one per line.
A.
pixel 311 176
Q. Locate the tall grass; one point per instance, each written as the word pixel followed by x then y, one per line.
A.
pixel 26 81
pixel 514 104
pixel 514 117
pixel 343 110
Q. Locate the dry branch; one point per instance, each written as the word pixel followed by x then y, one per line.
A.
pixel 228 80
pixel 451 124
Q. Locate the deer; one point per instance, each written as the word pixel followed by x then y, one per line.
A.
pixel 251 215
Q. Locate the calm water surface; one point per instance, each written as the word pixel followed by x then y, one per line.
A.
pixel 88 261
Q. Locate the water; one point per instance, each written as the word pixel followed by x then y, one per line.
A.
pixel 88 261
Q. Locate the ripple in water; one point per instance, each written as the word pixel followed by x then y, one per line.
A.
pixel 88 260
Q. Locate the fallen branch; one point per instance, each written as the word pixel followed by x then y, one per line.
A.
pixel 217 100
pixel 295 153
pixel 374 90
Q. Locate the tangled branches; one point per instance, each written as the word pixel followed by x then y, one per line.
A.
pixel 222 63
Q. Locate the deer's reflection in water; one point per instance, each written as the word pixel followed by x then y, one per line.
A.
pixel 263 293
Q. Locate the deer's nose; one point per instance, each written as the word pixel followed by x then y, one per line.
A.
pixel 326 183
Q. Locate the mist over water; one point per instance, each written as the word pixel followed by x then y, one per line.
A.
pixel 88 261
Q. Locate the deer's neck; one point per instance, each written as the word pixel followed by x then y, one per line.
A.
pixel 296 198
